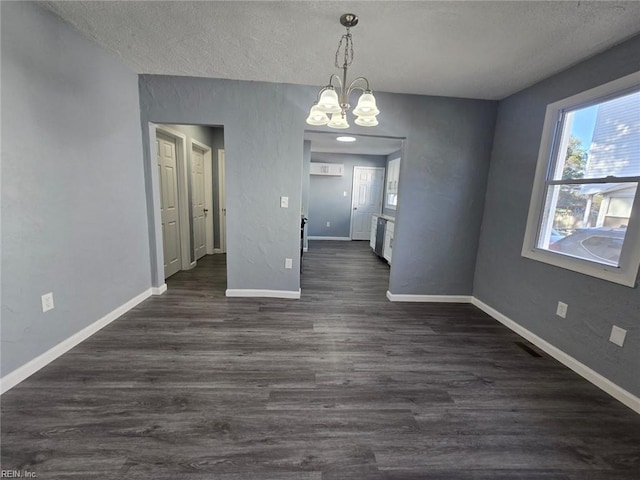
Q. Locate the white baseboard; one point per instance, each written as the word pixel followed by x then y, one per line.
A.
pixel 25 371
pixel 305 249
pixel 159 290
pixel 247 292
pixel 342 239
pixel 399 297
pixel 217 250
pixel 581 369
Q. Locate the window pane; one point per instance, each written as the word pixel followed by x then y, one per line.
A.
pixel 601 140
pixel 587 221
pixel 620 207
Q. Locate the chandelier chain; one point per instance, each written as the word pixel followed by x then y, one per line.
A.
pixel 348 50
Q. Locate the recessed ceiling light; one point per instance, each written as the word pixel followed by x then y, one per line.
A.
pixel 346 139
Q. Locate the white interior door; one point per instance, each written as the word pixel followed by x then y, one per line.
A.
pixel 167 170
pixel 198 202
pixel 222 201
pixel 366 200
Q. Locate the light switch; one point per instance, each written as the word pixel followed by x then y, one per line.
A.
pixel 284 202
pixel 288 263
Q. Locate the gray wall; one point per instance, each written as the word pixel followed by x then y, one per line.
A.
pixel 74 216
pixel 390 211
pixel 263 162
pixel 443 177
pixel 528 291
pixel 327 202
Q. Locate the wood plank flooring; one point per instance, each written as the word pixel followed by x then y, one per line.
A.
pixel 341 384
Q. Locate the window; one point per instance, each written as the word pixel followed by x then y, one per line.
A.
pixel 585 208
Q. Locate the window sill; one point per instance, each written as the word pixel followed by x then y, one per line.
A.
pixel 619 275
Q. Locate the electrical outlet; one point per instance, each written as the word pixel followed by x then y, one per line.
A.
pixel 288 263
pixel 561 311
pixel 344 194
pixel 328 224
pixel 284 202
pixel 47 302
pixel 617 335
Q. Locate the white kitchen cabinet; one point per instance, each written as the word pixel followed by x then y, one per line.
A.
pixel 391 187
pixel 393 175
pixel 388 241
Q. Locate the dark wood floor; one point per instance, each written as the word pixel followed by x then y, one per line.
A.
pixel 341 384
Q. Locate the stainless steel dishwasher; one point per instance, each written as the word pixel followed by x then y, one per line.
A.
pixel 382 225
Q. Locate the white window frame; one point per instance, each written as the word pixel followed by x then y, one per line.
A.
pixel 627 272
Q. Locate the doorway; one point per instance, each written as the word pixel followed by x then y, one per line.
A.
pixel 189 194
pixel 351 184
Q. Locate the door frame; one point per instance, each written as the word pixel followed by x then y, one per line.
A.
pixel 353 194
pixel 183 192
pixel 208 192
pixel 222 192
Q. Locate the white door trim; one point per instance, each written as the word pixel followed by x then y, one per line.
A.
pixel 222 192
pixel 208 192
pixel 183 192
pixel 354 193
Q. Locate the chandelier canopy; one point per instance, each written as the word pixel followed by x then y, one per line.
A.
pixel 333 99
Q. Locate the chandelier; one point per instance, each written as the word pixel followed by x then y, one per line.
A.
pixel 333 98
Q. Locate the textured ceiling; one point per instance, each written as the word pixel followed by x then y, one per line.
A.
pixel 472 49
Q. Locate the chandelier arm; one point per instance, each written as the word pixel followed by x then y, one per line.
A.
pixel 333 75
pixel 353 86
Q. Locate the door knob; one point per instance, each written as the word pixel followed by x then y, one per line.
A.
pixel 355 208
pixel 205 210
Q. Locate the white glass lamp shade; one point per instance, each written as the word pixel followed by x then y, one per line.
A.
pixel 367 121
pixel 329 102
pixel 366 105
pixel 317 116
pixel 338 121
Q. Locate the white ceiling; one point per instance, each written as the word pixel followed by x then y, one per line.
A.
pixel 473 49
